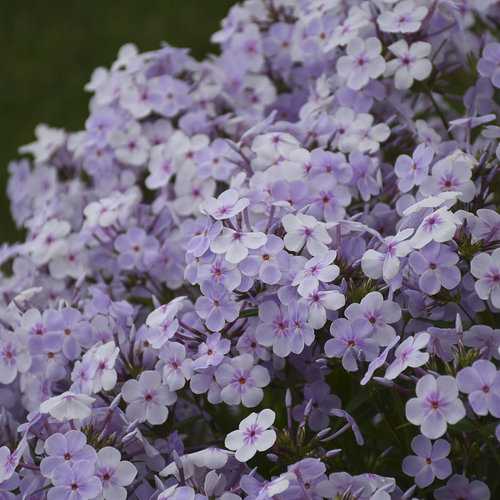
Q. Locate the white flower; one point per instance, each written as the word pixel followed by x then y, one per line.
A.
pixel 105 377
pixel 411 63
pixel 439 226
pixel 252 435
pixel 306 229
pixel 362 62
pixel 68 406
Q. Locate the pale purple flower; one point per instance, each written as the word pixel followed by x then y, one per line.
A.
pixel 430 461
pixel 330 198
pixel 439 226
pixel 275 328
pixel 211 352
pixel 14 357
pixel 486 268
pixel 9 461
pixel 352 341
pixel 267 262
pixel 113 473
pixel 435 264
pixel 413 170
pixel 69 448
pixel 242 381
pixel 404 18
pixel 136 249
pixel 369 138
pixel 252 435
pixel 322 402
pixel 83 374
pixel 316 270
pixel 75 332
pixel 216 306
pixel 205 382
pixel 177 365
pixel 131 147
pixel 486 225
pixel 481 382
pixel 305 230
pixel 378 361
pixel 484 339
pixel 365 174
pixel 459 488
pixel 173 95
pixel 162 166
pixel 362 62
pixel 227 205
pixel 221 271
pixel 408 354
pixel 489 64
pixel 200 243
pixel 450 174
pixel 235 244
pixel 302 331
pixel 75 482
pixel 379 313
pixel 318 301
pixel 411 63
pixel 376 264
pixel 147 398
pixel 105 375
pixel 435 406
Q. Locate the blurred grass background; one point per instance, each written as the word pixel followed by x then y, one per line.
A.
pixel 48 51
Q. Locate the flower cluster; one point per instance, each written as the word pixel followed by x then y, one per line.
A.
pixel 292 247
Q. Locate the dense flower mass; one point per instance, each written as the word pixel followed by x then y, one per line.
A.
pixel 274 273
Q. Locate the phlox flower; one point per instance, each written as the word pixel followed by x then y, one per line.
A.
pixel 404 18
pixel 458 486
pixel 147 398
pixel 439 226
pixel 68 406
pixel 235 244
pixel 411 63
pixel 489 63
pixel 411 171
pixel 435 263
pixel 352 340
pixel 227 205
pixel 377 264
pixel 379 313
pixel 242 380
pixel 362 62
pixel 305 229
pixel 14 357
pixel 486 267
pixel 113 473
pixel 69 448
pixel 430 461
pixel 76 482
pixel 435 406
pixel 216 306
pixel 252 435
pixel 481 382
pixel 408 354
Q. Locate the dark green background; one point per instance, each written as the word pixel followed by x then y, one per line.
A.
pixel 49 49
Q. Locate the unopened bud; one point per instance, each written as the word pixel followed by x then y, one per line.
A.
pixel 272 457
pixel 332 453
pixel 288 398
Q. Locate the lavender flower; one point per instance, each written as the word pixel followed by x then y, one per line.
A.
pixel 430 461
pixel 435 406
